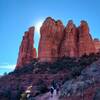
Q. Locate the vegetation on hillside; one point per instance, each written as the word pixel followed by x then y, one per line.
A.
pixel 14 84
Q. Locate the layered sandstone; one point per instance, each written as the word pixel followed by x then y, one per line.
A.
pixel 58 41
pixel 27 52
pixel 86 45
pixel 50 40
pixel 69 44
pixel 97 44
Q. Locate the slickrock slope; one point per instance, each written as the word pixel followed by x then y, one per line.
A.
pixel 51 36
pixel 86 44
pixel 85 86
pixel 27 52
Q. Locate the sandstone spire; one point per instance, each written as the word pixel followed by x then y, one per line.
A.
pixel 51 36
pixel 56 41
pixel 86 45
pixel 69 44
pixel 27 52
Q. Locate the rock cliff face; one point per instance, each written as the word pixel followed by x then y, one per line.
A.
pixel 50 40
pixel 27 52
pixel 58 41
pixel 86 45
pixel 69 45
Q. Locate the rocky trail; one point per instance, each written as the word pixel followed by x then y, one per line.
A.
pixel 47 96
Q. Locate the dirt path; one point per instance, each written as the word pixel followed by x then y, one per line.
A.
pixel 47 96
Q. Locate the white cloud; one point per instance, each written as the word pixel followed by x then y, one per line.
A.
pixel 7 66
pixel 4 67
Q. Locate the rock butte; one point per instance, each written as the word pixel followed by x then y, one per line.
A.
pixel 57 41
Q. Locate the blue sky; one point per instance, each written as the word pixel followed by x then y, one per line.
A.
pixel 16 16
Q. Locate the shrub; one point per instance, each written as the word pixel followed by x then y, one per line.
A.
pixel 41 87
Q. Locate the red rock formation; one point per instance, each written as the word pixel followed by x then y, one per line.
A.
pixel 69 44
pixel 86 45
pixel 51 36
pixel 26 51
pixel 97 44
pixel 57 41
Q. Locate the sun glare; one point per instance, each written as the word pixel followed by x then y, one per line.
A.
pixel 38 26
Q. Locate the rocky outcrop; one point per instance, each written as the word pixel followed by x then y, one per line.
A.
pixel 97 44
pixel 88 78
pixel 58 41
pixel 77 41
pixel 27 52
pixel 69 45
pixel 50 40
pixel 86 45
